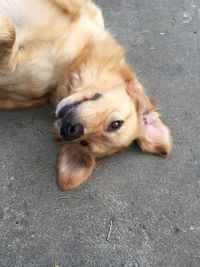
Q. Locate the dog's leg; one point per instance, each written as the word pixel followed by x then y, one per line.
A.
pixel 7 44
pixel 75 7
pixel 9 58
pixel 13 100
pixel 10 103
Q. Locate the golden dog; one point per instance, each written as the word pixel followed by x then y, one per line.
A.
pixel 58 51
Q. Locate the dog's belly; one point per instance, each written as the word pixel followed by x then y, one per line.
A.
pixel 47 40
pixel 29 15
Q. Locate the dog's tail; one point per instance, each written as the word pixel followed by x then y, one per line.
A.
pixel 9 103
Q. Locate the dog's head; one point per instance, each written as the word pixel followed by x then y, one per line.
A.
pixel 104 115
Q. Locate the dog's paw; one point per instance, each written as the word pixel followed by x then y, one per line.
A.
pixel 95 13
pixel 7 34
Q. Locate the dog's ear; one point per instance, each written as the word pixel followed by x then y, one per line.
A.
pixel 74 165
pixel 153 134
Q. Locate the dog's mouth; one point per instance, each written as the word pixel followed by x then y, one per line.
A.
pixel 68 124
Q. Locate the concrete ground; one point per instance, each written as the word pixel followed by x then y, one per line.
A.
pixel 152 203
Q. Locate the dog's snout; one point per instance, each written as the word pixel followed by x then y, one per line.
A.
pixel 71 132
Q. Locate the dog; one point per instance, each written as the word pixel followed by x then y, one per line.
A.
pixel 59 52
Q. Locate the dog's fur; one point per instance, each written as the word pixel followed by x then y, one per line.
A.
pixel 58 51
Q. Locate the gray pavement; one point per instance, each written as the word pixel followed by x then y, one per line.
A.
pixel 153 203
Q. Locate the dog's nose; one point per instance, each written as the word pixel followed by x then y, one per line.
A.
pixel 71 132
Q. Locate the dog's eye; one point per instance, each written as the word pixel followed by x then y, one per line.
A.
pixel 115 125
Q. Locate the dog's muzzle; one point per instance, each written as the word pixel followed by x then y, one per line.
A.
pixel 68 121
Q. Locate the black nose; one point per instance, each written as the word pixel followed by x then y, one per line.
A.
pixel 71 132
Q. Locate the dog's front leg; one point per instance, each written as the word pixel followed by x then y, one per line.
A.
pixel 8 45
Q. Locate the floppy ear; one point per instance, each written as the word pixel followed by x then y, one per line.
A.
pixel 73 166
pixel 153 134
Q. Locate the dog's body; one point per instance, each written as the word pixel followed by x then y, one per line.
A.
pixel 46 42
pixel 58 51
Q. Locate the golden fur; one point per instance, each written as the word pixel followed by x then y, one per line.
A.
pixel 65 56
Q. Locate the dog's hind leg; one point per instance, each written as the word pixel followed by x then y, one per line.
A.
pixel 8 55
pixel 11 103
pixel 8 47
